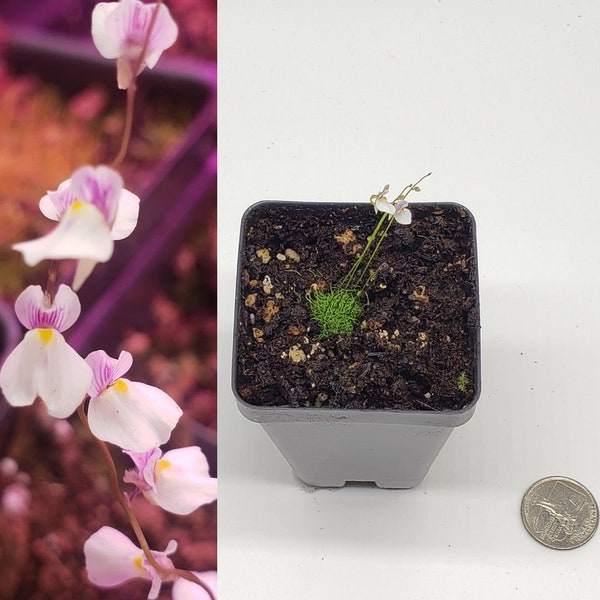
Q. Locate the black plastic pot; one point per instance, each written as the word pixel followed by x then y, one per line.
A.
pixel 329 446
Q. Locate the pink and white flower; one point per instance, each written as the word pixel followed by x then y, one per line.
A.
pixel 398 208
pixel 43 364
pixel 178 481
pixel 381 203
pixel 93 209
pixel 402 213
pixel 130 414
pixel 119 30
pixel 111 558
pixel 188 590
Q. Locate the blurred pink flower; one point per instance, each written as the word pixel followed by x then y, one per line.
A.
pixel 16 499
pixel 119 30
pixel 93 210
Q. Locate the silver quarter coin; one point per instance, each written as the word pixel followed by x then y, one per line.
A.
pixel 559 513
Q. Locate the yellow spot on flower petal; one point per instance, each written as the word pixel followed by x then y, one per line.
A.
pixel 138 562
pixel 161 465
pixel 76 205
pixel 120 386
pixel 45 335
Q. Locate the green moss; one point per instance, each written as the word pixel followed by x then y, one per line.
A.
pixel 337 311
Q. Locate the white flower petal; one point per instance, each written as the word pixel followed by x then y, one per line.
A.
pixel 85 267
pixel 187 590
pixel 164 34
pixel 182 481
pixel 133 415
pixel 127 215
pixel 112 558
pixel 403 216
pixel 54 204
pixel 49 209
pixel 382 205
pixel 81 233
pixel 124 73
pixel 170 548
pixel 64 379
pixel 44 365
pixel 105 41
pixel 156 585
pixel 18 385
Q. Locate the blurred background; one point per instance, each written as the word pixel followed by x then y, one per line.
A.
pixel 60 109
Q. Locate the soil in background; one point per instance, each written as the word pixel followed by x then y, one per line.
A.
pixel 417 344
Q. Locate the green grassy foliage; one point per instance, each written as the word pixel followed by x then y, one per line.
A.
pixel 337 311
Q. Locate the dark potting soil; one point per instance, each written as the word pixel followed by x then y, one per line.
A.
pixel 417 345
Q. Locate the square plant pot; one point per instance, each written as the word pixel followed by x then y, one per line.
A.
pixel 378 404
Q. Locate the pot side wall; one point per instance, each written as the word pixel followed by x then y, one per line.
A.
pixel 332 454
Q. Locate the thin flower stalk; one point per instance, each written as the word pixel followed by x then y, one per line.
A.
pixel 131 91
pixel 350 281
pixel 338 310
pixel 401 198
pixel 346 282
pixel 362 282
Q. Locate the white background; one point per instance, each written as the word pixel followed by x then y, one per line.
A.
pixel 329 100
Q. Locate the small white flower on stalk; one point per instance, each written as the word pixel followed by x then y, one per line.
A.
pixel 381 203
pixel 130 414
pixel 111 558
pixel 401 212
pixel 177 481
pixel 397 208
pixel 119 30
pixel 93 210
pixel 43 364
pixel 188 590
